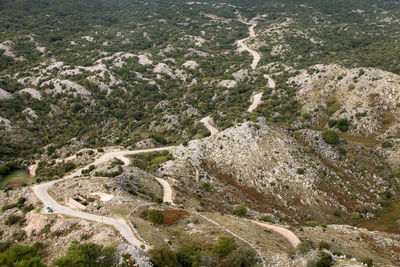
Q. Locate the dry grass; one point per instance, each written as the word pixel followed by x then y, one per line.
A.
pixel 386 220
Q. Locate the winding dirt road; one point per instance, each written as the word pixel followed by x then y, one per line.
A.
pixel 243 46
pixel 127 231
pixel 206 122
pixel 40 191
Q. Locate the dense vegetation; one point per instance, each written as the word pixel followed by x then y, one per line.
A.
pixel 349 32
pixel 224 253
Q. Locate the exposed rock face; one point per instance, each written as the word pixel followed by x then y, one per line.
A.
pixel 163 68
pixel 271 169
pixel 364 96
pixel 6 123
pixel 140 257
pixel 34 93
pixel 227 83
pixel 4 94
pixel 144 60
pixel 240 75
pixel 67 85
pixel 191 64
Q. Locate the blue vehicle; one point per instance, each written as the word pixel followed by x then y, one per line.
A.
pixel 48 209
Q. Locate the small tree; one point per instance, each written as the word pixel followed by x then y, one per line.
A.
pixel 163 257
pixel 331 137
pixel 225 245
pixel 343 125
pixel 155 216
pixel 240 211
pixel 243 257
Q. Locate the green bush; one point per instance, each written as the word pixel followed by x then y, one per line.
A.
pixel 163 257
pixel 368 261
pixel 240 211
pixel 188 256
pixel 266 218
pixel 243 257
pixel 330 137
pixel 155 216
pixel 300 171
pixel 325 261
pixel 337 213
pixel 12 219
pixel 387 144
pixel 225 245
pixel 87 254
pixel 324 245
pixel 304 247
pixel 9 206
pixel 332 123
pixel 343 125
pixel 29 256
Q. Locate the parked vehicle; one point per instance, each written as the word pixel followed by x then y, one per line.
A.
pixel 48 209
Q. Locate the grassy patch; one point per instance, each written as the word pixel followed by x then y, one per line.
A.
pixel 122 212
pixel 16 178
pixel 369 141
pixel 150 161
pixel 387 220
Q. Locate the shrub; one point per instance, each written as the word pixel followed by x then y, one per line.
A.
pixel 21 200
pixel 304 247
pixel 12 219
pixel 343 125
pixel 325 261
pixel 22 256
pixel 9 206
pixel 240 211
pixel 87 254
pixel 330 137
pixel 266 218
pixel 387 144
pixel 300 171
pixel 367 261
pixel 163 257
pixel 342 151
pixel 28 208
pixel 332 123
pixel 188 256
pixel 225 245
pixel 207 186
pixel 324 245
pixel 337 213
pixel 155 216
pixel 243 257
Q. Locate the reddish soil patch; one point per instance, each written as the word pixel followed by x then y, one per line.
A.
pixel 13 184
pixel 173 216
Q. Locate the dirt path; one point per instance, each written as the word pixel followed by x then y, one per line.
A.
pixel 256 99
pixel 289 235
pixel 243 46
pixel 206 122
pixel 32 168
